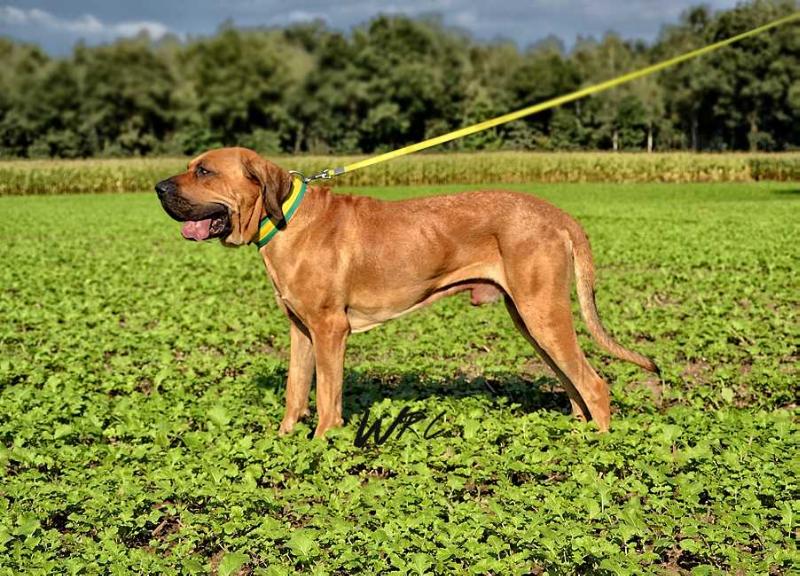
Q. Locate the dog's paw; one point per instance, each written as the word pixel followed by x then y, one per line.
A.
pixel 323 427
pixel 286 427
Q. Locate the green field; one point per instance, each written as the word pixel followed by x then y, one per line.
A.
pixel 141 389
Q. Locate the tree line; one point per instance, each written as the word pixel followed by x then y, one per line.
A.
pixel 395 80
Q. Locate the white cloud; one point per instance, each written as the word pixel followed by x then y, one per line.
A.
pixel 466 18
pixel 87 26
pixel 297 16
pixel 57 24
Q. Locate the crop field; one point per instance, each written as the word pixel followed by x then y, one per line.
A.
pixel 142 378
pixel 22 177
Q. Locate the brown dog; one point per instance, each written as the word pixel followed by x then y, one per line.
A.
pixel 344 264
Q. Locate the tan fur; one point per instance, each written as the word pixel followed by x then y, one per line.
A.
pixel 345 264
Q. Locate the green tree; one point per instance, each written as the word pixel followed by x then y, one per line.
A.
pixel 396 80
pixel 126 97
pixel 757 77
pixel 543 73
pixel 19 67
pixel 238 82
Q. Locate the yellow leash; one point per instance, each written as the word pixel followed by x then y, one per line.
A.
pixel 485 125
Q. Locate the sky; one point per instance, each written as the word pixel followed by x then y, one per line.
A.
pixel 57 24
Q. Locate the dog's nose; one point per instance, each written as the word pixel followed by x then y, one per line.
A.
pixel 165 187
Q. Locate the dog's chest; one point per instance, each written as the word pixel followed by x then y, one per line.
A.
pixel 282 293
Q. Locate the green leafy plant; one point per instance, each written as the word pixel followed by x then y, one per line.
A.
pixel 141 388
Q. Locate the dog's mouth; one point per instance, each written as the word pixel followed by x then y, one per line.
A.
pixel 216 225
pixel 200 221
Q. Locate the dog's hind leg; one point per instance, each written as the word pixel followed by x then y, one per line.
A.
pixel 539 289
pixel 579 409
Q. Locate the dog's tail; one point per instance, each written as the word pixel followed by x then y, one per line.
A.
pixel 584 276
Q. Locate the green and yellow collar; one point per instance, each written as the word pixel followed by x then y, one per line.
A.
pixel 266 228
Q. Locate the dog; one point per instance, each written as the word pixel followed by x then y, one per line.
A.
pixel 341 264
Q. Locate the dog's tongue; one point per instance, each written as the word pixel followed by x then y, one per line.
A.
pixel 196 230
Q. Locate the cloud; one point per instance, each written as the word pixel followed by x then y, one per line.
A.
pixel 466 19
pixel 57 24
pixel 86 26
pixel 524 21
pixel 297 16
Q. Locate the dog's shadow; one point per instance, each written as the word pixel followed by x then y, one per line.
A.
pixel 364 389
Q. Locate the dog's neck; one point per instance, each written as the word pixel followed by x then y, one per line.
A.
pixel 313 202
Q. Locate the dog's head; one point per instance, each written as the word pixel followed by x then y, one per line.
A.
pixel 224 193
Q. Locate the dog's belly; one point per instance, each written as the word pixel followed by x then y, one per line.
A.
pixel 484 288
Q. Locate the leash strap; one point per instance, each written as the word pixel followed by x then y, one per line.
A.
pixel 331 172
pixel 267 228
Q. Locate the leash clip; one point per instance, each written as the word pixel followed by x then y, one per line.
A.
pixel 326 174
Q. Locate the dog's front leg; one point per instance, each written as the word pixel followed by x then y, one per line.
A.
pixel 301 370
pixel 329 336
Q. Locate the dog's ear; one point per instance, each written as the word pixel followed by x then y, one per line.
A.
pixel 274 182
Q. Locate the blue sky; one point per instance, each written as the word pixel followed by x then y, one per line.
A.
pixel 57 25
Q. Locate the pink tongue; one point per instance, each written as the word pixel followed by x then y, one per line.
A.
pixel 196 230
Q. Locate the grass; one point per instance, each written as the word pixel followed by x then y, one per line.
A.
pixel 24 177
pixel 141 388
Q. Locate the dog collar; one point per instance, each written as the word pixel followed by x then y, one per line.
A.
pixel 267 228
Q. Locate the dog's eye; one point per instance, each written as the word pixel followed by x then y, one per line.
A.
pixel 200 171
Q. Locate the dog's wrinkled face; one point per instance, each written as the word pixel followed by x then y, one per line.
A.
pixel 223 194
